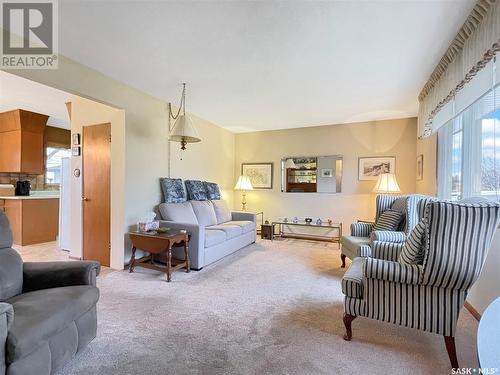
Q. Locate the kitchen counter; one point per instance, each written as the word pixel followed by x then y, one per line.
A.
pixel 30 197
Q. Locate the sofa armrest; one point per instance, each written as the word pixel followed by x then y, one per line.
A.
pixel 6 319
pixel 46 275
pixel 392 271
pixel 243 216
pixel 388 236
pixel 386 250
pixel 361 229
pixel 196 242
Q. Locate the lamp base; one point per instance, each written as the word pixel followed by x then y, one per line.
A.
pixel 243 201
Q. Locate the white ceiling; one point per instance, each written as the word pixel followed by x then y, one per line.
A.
pixel 17 92
pixel 255 65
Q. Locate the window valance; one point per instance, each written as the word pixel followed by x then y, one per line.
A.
pixel 469 69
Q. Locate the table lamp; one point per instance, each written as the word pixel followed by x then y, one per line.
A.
pixel 244 185
pixel 386 184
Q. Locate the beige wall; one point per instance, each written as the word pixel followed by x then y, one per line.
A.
pixel 388 138
pixel 428 147
pixel 212 159
pixel 146 151
pixel 145 128
pixel 487 288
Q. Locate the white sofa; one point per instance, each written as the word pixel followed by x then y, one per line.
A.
pixel 215 230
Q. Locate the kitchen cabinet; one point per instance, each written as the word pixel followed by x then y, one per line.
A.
pixel 32 219
pixel 21 142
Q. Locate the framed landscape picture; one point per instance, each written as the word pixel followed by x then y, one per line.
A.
pixel 370 168
pixel 260 174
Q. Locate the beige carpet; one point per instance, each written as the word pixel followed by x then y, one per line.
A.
pixel 272 308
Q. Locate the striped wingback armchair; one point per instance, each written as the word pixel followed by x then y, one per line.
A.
pixel 365 242
pixel 427 297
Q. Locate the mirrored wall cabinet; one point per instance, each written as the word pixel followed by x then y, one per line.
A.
pixel 311 174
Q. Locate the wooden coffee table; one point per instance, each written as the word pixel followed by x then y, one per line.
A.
pixel 157 245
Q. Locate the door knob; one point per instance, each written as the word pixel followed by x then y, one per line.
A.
pixel 84 199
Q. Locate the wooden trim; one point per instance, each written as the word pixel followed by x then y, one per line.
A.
pixel 56 137
pixel 473 311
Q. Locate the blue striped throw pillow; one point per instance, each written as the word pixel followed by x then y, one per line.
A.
pixel 413 251
pixel 389 220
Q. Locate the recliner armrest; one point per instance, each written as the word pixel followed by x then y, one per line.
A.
pixel 6 314
pixel 392 271
pixel 243 216
pixel 46 275
pixel 6 319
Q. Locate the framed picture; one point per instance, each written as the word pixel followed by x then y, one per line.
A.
pixel 420 167
pixel 76 139
pixel 260 174
pixel 370 168
pixel 327 172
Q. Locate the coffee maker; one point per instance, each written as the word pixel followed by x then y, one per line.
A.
pixel 23 188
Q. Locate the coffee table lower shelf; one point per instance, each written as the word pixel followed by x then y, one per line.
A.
pixel 281 233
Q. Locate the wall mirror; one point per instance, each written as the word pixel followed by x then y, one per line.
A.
pixel 311 174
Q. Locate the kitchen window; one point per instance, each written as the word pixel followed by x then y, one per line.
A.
pixel 53 164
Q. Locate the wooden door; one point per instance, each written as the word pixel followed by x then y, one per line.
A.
pixel 96 193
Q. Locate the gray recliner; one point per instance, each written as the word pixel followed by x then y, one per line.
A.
pixel 47 310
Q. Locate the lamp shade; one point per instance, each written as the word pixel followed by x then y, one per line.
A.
pixel 386 183
pixel 243 184
pixel 290 164
pixel 184 130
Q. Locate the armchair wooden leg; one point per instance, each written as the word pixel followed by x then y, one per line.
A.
pixel 347 322
pixel 451 349
pixel 342 257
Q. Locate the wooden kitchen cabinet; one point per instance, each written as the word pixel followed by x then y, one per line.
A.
pixel 21 142
pixel 33 221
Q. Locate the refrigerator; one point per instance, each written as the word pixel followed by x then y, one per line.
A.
pixel 65 206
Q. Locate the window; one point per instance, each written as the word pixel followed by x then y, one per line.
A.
pixel 469 151
pixel 490 154
pixel 54 163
